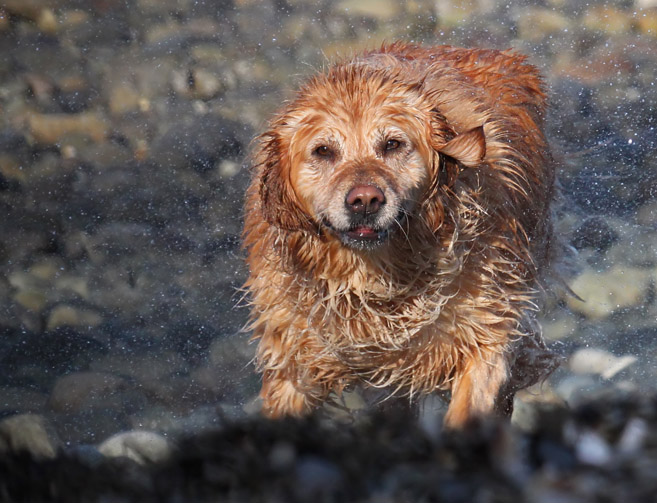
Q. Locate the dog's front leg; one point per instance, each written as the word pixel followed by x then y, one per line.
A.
pixel 476 390
pixel 283 394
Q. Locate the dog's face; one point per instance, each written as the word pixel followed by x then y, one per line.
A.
pixel 360 166
pixel 355 154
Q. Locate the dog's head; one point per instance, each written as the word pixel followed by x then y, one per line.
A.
pixel 356 153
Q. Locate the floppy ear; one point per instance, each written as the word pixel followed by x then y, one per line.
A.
pixel 279 203
pixel 468 148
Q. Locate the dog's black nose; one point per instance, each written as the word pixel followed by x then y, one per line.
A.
pixel 365 199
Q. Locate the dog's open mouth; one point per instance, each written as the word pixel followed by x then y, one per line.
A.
pixel 360 236
pixel 364 237
pixel 366 233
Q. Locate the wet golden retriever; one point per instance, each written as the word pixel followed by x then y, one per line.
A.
pixel 396 224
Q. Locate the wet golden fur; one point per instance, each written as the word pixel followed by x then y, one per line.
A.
pixel 445 301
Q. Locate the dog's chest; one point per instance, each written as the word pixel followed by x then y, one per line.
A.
pixel 351 322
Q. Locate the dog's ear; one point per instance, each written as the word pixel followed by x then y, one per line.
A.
pixel 280 205
pixel 468 148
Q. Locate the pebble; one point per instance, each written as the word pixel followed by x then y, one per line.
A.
pixel 4 20
pixel 201 144
pixel 599 361
pixel 315 475
pixel 31 299
pixel 455 13
pixel 91 425
pixel 83 390
pixel 431 413
pixel 26 8
pixel 637 249
pixel 608 20
pixel 30 433
pixel 592 449
pixel 646 22
pixel 560 328
pixel 604 292
pixel 178 392
pixel 535 23
pixel 140 446
pixel 196 83
pixel 36 357
pixel 72 18
pixel 377 9
pixel 40 87
pixel 50 129
pixel 45 283
pixel 16 399
pixel 11 173
pixel 166 36
pixel 633 437
pixel 282 456
pixel 574 388
pixel 647 215
pixel 529 403
pixel 228 169
pixel 594 233
pixel 47 22
pixel 75 284
pixel 70 316
pixel 87 454
pixel 163 419
pixel 124 98
pixel 143 368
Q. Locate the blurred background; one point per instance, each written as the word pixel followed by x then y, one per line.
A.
pixel 124 130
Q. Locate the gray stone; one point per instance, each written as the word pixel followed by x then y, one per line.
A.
pixel 140 446
pixel 21 400
pixel 598 361
pixel 81 390
pixel 28 433
pixel 604 292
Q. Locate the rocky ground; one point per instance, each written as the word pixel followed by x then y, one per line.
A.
pixel 123 133
pixel 600 452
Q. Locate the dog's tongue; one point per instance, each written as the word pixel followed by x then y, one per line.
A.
pixel 364 232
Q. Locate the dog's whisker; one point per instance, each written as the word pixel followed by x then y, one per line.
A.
pixel 404 233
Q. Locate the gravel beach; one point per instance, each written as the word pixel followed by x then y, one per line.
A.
pixel 124 139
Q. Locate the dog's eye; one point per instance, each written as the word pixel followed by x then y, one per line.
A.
pixel 323 151
pixel 392 145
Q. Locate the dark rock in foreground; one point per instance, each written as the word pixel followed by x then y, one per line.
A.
pixel 605 450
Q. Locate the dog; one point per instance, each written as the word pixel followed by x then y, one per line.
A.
pixel 396 226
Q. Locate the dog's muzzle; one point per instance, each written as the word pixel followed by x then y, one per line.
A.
pixel 363 204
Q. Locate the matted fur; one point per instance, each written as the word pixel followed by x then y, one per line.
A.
pixel 445 300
